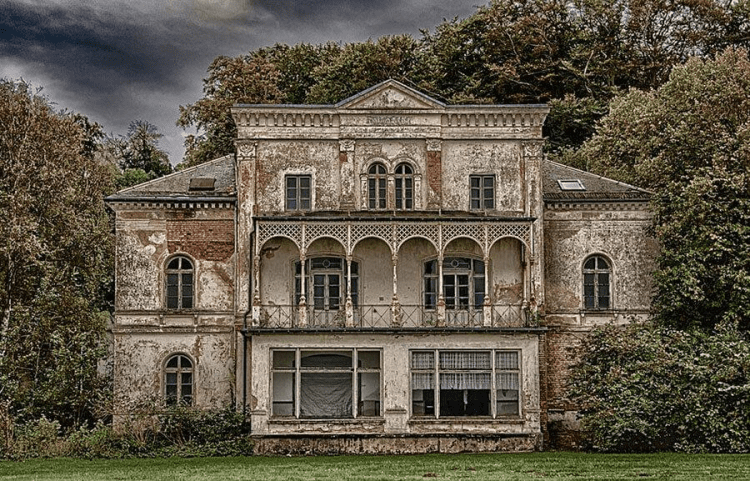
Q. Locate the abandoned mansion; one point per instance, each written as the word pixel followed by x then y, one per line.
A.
pixel 387 274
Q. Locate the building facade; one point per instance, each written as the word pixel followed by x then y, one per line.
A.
pixel 387 274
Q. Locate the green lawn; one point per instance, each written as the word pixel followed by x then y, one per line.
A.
pixel 463 466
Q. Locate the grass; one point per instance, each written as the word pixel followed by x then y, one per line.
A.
pixel 463 466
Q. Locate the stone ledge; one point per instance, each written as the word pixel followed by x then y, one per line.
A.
pixel 316 444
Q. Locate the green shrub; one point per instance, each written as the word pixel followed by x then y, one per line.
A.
pixel 646 388
pixel 179 431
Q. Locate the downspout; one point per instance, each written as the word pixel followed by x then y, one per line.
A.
pixel 244 331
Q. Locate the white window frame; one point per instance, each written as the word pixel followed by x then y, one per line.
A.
pixel 494 371
pixel 297 370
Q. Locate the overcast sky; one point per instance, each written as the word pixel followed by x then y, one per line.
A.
pixel 120 60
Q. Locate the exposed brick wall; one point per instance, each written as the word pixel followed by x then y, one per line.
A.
pixel 560 356
pixel 435 172
pixel 211 240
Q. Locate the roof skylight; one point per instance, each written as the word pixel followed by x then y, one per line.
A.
pixel 571 184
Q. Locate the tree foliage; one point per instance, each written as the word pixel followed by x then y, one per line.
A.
pixel 645 388
pixel 55 258
pixel 689 141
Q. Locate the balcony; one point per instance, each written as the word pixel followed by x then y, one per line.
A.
pixel 394 317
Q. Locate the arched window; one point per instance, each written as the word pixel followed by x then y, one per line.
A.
pixel 404 187
pixel 596 283
pixel 376 186
pixel 180 283
pixel 178 380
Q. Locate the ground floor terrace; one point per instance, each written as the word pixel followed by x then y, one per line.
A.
pixel 385 272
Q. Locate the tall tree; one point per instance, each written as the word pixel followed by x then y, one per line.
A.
pixel 689 141
pixel 245 79
pixel 139 149
pixel 55 256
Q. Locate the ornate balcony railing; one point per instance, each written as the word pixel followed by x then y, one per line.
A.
pixel 386 316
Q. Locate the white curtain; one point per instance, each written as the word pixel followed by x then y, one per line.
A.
pixel 465 380
pixel 325 395
pixel 464 360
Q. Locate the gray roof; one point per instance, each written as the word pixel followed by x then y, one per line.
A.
pixel 177 185
pixel 595 186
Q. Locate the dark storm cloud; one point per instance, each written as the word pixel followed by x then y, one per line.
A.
pixel 117 61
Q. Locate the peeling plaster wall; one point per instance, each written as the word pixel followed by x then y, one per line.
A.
pixel 277 272
pixel 375 272
pixel 621 236
pixel 570 236
pixel 146 239
pixel 410 268
pixel 139 367
pixel 507 272
pixel 503 159
pixel 395 380
pixel 276 159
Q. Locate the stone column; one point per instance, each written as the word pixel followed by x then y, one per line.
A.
pixel 348 178
pixel 532 159
pixel 246 172
pixel 487 302
pixel 348 305
pixel 302 306
pixel 396 316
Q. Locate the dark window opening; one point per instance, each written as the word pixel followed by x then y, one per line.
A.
pixel 179 283
pixel 298 192
pixel 596 292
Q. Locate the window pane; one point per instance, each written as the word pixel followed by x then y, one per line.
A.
pixel 283 359
pixel 283 394
pixel 369 359
pixel 506 360
pixel 172 362
pixel 187 302
pixel 464 360
pixel 602 263
pixel 369 394
pixel 326 360
pixel 422 360
pixel 185 362
pixel 590 264
pixel 325 395
pixel 174 264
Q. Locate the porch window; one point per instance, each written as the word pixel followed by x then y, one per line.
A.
pixel 463 283
pixel 376 186
pixel 326 276
pixel 179 274
pixel 330 384
pixel 404 187
pixel 596 283
pixel 465 383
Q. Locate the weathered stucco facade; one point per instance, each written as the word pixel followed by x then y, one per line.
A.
pixel 388 274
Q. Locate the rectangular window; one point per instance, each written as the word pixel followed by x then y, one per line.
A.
pixel 460 383
pixel 331 384
pixel 482 189
pixel 298 192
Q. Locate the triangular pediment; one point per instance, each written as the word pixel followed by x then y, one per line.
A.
pixel 390 94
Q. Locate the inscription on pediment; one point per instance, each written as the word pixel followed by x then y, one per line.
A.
pixel 389 120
